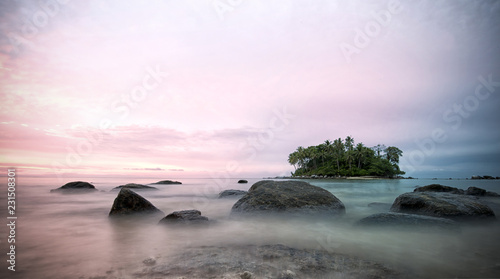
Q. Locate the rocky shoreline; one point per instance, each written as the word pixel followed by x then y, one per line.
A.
pixel 429 209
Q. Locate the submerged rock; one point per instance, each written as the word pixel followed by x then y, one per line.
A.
pixel 192 216
pixel 471 191
pixel 439 188
pixel 75 187
pixel 452 206
pixel 408 221
pixel 265 261
pixel 135 187
pixel 475 191
pixel 242 181
pixel 130 203
pixel 232 193
pixel 291 197
pixel 167 182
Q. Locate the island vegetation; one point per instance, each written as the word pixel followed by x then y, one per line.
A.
pixel 345 158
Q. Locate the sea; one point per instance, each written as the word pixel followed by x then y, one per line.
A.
pixel 71 236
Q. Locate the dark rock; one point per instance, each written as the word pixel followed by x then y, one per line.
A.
pixel 291 197
pixel 452 206
pixel 232 193
pixel 439 188
pixel 167 182
pixel 477 177
pixel 408 221
pixel 475 191
pixel 192 216
pixel 265 261
pixel 135 187
pixel 130 203
pixel 242 181
pixel 75 187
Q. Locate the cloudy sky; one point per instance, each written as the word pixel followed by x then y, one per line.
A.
pixel 225 87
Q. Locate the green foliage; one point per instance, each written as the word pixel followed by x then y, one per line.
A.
pixel 344 158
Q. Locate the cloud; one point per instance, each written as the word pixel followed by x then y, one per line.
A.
pixel 146 169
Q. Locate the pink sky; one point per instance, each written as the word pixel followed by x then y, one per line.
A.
pixel 240 85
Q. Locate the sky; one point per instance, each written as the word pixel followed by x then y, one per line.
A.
pixel 229 88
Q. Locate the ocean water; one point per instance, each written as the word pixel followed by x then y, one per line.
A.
pixel 71 236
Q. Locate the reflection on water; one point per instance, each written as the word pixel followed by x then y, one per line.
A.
pixel 70 236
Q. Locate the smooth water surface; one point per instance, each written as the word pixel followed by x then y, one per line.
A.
pixel 71 236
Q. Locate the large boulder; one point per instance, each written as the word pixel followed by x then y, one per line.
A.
pixel 475 191
pixel 167 182
pixel 472 191
pixel 232 193
pixel 452 206
pixel 192 216
pixel 75 187
pixel 290 197
pixel 408 221
pixel 135 187
pixel 130 203
pixel 439 188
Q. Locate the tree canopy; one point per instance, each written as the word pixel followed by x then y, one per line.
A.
pixel 345 158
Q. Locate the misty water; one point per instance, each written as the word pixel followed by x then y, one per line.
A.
pixel 71 236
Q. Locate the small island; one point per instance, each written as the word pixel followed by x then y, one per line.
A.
pixel 342 158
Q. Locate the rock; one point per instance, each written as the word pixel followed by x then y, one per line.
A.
pixel 472 191
pixel 291 197
pixel 408 221
pixel 439 188
pixel 475 191
pixel 287 274
pixel 232 193
pixel 242 181
pixel 247 275
pixel 192 216
pixel 127 202
pixel 149 261
pixel 75 187
pixel 167 182
pixel 452 206
pixel 135 187
pixel 265 261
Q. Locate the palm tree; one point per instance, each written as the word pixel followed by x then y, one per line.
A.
pixel 359 153
pixel 378 148
pixel 392 154
pixel 338 151
pixel 293 159
pixel 349 143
